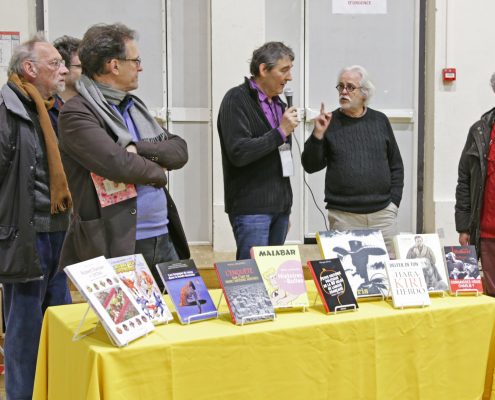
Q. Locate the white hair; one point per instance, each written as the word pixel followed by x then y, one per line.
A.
pixel 367 87
pixel 492 81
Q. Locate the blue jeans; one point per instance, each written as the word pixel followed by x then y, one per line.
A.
pixel 156 250
pixel 258 230
pixel 24 306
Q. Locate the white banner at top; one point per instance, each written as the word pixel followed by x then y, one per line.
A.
pixel 359 6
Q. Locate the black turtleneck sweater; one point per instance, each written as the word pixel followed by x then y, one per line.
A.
pixel 364 166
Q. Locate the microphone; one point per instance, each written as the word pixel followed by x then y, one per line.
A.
pixel 288 95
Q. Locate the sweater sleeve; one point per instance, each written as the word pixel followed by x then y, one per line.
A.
pixel 396 167
pixel 313 157
pixel 236 117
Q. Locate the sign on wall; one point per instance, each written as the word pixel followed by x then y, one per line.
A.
pixel 8 40
pixel 359 6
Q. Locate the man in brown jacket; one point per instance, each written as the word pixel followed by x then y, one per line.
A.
pixel 117 158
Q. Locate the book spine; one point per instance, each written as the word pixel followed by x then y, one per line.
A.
pixel 318 286
pixel 225 294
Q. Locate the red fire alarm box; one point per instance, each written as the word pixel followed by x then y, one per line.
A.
pixel 448 74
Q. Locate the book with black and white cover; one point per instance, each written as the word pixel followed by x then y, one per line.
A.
pixel 134 272
pixel 363 254
pixel 462 268
pixel 332 285
pixel 427 246
pixel 187 291
pixel 282 272
pixel 407 282
pixel 245 292
pixel 110 299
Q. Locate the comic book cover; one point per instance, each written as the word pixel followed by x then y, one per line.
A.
pixel 244 291
pixel 281 269
pixel 332 284
pixel 462 267
pixel 136 275
pixel 187 290
pixel 111 300
pixel 427 246
pixel 363 254
pixel 407 283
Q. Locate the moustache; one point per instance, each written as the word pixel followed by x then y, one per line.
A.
pixel 344 98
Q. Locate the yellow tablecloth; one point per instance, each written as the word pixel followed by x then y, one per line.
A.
pixel 445 351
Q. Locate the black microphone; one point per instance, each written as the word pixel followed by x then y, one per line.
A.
pixel 288 95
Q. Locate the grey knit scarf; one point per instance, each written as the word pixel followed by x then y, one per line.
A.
pixel 102 96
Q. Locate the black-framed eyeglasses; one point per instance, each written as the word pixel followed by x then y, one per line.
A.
pixel 350 88
pixel 136 60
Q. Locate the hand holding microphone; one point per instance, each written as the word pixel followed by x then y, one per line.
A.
pixel 290 119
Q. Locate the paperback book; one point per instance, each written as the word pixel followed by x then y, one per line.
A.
pixel 407 283
pixel 135 274
pixel 282 273
pixel 244 291
pixel 425 246
pixel 111 300
pixel 110 192
pixel 462 268
pixel 187 291
pixel 363 255
pixel 332 284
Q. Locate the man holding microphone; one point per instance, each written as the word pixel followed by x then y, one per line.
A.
pixel 255 129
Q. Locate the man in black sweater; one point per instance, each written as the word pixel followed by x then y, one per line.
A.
pixel 255 127
pixel 365 174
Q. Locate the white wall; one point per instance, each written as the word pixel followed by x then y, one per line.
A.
pixel 17 17
pixel 462 32
pixel 238 27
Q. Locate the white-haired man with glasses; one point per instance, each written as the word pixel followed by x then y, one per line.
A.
pixel 365 175
pixel 117 158
pixel 34 205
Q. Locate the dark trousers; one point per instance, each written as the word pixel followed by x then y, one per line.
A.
pixel 156 250
pixel 487 250
pixel 23 307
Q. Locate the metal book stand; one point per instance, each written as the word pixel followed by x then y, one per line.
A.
pixel 246 319
pixel 475 292
pixel 191 318
pixel 338 309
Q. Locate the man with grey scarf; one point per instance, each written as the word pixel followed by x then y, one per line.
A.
pixel 117 157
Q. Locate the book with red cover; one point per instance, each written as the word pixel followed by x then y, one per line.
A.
pixel 245 292
pixel 462 267
pixel 332 284
pixel 110 192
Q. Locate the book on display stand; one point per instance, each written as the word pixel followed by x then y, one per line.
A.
pixel 244 291
pixel 112 302
pixel 187 291
pixel 463 271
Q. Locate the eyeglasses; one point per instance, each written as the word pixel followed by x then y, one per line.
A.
pixel 136 60
pixel 76 65
pixel 350 88
pixel 53 64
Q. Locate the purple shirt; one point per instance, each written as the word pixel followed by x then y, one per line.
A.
pixel 152 218
pixel 273 110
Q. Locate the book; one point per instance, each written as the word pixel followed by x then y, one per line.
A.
pixel 245 292
pixel 110 299
pixel 187 291
pixel 462 268
pixel 363 255
pixel 425 246
pixel 407 282
pixel 110 192
pixel 282 273
pixel 332 284
pixel 136 275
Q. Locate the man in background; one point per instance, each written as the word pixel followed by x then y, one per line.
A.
pixel 356 144
pixel 117 158
pixel 34 204
pixel 67 47
pixel 475 194
pixel 255 136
